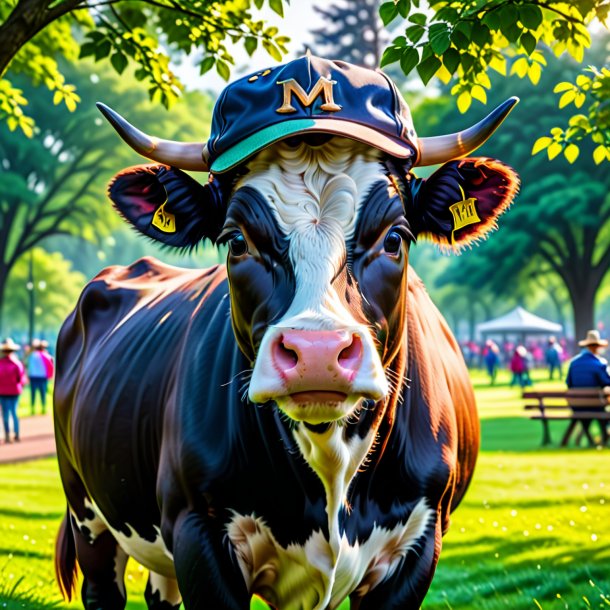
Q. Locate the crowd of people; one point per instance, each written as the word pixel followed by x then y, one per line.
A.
pixel 35 369
pixel 520 359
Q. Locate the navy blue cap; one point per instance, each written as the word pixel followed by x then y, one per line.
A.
pixel 309 95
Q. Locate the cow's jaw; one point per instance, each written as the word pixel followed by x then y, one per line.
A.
pixel 315 195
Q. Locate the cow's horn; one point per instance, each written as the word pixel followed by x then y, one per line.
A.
pixel 183 155
pixel 440 149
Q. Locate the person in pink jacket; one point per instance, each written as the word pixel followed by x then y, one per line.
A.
pixel 12 380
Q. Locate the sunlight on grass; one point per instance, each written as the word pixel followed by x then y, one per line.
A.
pixel 532 532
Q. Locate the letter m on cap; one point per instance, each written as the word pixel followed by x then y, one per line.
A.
pixel 324 86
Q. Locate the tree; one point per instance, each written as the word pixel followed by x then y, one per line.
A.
pixel 352 32
pixel 559 225
pixel 55 289
pixel 464 40
pixel 34 32
pixel 54 183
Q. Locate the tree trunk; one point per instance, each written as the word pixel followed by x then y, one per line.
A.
pixel 24 22
pixel 583 304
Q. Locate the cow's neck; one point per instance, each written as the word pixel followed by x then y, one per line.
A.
pixel 335 458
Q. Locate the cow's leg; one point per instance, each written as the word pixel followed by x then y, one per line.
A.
pixel 162 593
pixel 407 587
pixel 102 562
pixel 208 573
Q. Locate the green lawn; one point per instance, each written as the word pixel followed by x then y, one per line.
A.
pixel 532 532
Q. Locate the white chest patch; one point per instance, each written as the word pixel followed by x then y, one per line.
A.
pixel 312 576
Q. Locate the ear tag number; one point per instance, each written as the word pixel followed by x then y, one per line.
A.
pixel 464 213
pixel 164 221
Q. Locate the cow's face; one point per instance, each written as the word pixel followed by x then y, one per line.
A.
pixel 318 246
pixel 318 239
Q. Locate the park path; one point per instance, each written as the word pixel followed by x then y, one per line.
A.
pixel 37 440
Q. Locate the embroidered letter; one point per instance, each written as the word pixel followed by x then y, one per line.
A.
pixel 324 86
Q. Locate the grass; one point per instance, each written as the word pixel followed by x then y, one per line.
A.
pixel 532 533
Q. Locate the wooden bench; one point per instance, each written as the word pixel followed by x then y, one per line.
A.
pixel 575 406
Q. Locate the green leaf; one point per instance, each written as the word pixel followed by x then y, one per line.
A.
pixel 528 42
pixel 388 11
pixel 492 20
pixel 390 55
pixel 530 16
pixel 414 33
pixel 427 68
pixel 102 50
pixel 272 50
pixel 439 40
pixel 259 4
pixel 451 60
pixel 459 39
pixel 277 7
pixel 87 49
pixel 508 15
pixel 419 18
pixel 222 67
pixel 207 64
pixel 404 7
pixel 409 59
pixel 512 32
pixel 118 61
pixel 251 43
pixel 481 34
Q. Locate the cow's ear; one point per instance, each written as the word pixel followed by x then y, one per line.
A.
pixel 460 202
pixel 167 205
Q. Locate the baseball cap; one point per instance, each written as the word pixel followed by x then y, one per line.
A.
pixel 309 95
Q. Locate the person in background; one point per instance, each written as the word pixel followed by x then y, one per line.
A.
pixel 590 370
pixel 553 354
pixel 517 366
pixel 40 370
pixel 12 380
pixel 492 359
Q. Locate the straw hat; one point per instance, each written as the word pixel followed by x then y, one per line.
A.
pixel 593 338
pixel 9 346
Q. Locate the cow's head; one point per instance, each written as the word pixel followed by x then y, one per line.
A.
pixel 318 227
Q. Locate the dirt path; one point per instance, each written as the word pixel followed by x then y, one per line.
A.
pixel 37 440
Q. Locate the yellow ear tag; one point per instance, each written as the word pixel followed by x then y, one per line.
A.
pixel 464 213
pixel 164 221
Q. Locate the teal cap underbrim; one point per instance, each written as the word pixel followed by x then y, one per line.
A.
pixel 259 140
pixel 348 129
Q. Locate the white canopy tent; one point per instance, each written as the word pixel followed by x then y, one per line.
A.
pixel 519 322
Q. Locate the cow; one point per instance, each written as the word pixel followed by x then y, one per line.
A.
pixel 297 424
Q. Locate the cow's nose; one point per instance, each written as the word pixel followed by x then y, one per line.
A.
pixel 317 359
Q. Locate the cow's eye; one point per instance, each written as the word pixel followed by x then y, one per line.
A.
pixel 392 242
pixel 238 246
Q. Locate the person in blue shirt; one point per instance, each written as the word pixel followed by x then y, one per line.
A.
pixel 590 370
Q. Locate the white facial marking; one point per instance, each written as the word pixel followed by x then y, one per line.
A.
pixel 166 587
pixel 315 194
pixel 306 577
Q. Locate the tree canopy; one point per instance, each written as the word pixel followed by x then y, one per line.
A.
pixel 145 33
pixel 464 41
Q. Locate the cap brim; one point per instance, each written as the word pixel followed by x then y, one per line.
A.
pixel 601 343
pixel 274 133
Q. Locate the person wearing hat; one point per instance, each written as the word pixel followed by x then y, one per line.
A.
pixel 40 370
pixel 590 370
pixel 12 380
